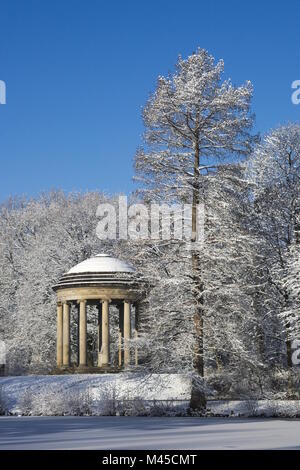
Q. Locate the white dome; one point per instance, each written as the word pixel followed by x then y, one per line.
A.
pixel 102 263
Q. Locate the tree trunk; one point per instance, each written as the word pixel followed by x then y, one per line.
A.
pixel 198 316
pixel 198 285
pixel 198 399
pixel 288 342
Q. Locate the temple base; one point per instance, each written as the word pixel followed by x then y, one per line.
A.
pixel 87 370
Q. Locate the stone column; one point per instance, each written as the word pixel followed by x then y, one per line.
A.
pixel 120 348
pixel 66 334
pixel 105 333
pixel 121 332
pixel 99 338
pixel 82 334
pixel 126 332
pixel 136 357
pixel 59 336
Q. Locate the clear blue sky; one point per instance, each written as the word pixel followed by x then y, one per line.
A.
pixel 79 71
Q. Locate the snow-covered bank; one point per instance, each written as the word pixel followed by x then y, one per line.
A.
pixel 254 408
pixel 123 394
pixel 20 392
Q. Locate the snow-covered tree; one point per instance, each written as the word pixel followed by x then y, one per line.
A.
pixel 193 121
pixel 40 239
pixel 291 283
pixel 274 169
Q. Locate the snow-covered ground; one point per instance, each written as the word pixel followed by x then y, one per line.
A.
pixel 100 387
pixel 265 408
pixel 147 433
pixel 129 394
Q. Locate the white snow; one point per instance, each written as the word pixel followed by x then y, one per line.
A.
pixel 147 433
pixel 125 386
pixel 266 408
pixel 102 263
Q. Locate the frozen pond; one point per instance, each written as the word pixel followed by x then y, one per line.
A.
pixel 147 433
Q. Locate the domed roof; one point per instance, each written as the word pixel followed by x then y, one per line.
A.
pixel 102 263
pixel 101 270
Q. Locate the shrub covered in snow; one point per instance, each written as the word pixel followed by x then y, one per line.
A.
pixel 92 394
pixel 52 402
